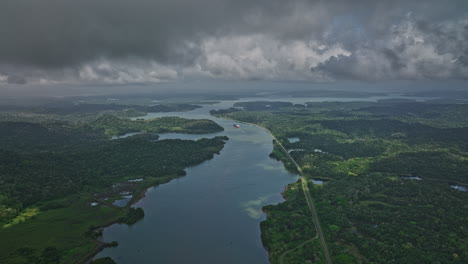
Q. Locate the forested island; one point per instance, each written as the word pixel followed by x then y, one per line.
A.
pixel 391 171
pixel 114 126
pixel 62 178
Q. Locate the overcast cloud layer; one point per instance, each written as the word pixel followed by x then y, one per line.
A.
pixel 146 41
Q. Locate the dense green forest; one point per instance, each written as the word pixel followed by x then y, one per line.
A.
pixel 389 167
pixel 113 125
pixel 27 136
pixel 82 110
pixel 27 178
pixel 289 229
pixel 67 108
pixel 59 178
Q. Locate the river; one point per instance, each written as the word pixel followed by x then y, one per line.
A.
pixel 212 214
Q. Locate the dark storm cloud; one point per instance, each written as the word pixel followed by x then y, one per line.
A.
pixel 59 32
pixel 197 36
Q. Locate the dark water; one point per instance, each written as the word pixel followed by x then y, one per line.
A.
pixel 123 202
pixel 211 215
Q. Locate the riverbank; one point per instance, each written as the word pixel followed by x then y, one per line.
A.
pixel 232 188
pixel 309 200
pixel 70 220
pixel 139 193
pixel 137 196
pixel 307 196
pixel 366 154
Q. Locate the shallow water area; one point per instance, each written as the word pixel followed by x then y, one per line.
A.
pixel 317 182
pixel 124 201
pixel 293 139
pixel 459 188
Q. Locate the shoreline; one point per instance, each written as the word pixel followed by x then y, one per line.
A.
pixel 285 188
pixel 138 196
pixel 100 245
pixel 305 189
pixel 142 194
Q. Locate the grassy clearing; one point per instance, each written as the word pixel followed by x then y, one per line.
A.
pixel 62 228
pixel 24 216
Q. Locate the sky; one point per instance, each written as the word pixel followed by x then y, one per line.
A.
pixel 93 42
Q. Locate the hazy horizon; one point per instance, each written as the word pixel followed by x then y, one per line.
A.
pixel 233 88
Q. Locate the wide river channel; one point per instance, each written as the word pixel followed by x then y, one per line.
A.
pixel 213 214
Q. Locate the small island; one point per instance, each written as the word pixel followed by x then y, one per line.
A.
pixel 116 126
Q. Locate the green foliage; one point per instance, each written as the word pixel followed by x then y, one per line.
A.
pixel 32 177
pixel 334 144
pixel 278 154
pixel 434 114
pixel 334 228
pixel 288 224
pixel 50 255
pixel 72 108
pixel 426 164
pixel 49 171
pixel 309 252
pixel 23 136
pixel 62 228
pixel 132 216
pixel 368 212
pixel 389 128
pixel 382 216
pixel 114 126
pixel 344 259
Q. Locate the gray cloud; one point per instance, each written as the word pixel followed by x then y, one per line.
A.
pixel 51 41
pixel 13 79
pixel 411 50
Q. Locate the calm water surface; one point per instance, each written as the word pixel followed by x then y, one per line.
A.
pixel 212 214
